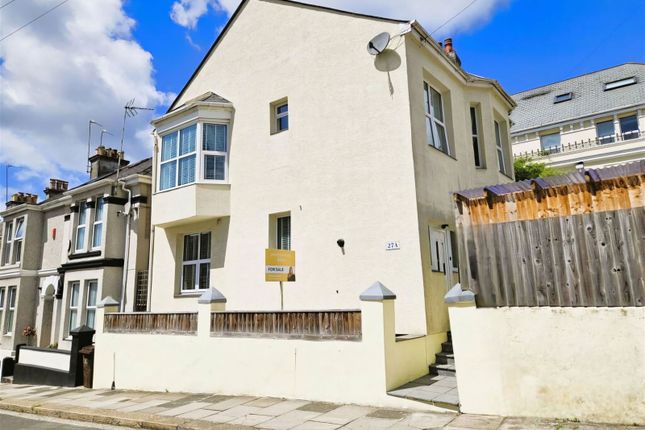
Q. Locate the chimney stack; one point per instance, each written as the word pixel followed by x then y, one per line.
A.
pixel 105 161
pixel 22 198
pixel 56 187
pixel 450 51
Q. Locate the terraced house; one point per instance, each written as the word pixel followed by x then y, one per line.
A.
pixel 62 255
pixel 292 134
pixel 597 119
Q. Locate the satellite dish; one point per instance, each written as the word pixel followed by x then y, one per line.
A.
pixel 378 43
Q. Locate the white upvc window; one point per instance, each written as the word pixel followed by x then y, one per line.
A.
pixel 8 240
pixel 2 299
pixel 474 128
pixel 196 264
pixel 19 235
pixel 74 300
pixel 97 227
pixel 501 158
pixel 178 158
pixel 11 310
pixel 90 304
pixel 282 117
pixel 435 120
pixel 81 227
pixel 214 151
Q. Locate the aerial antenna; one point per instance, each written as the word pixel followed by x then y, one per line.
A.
pixel 89 143
pixel 129 111
pixel 378 43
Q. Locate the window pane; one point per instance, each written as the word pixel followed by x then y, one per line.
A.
pixel 168 175
pixel 17 250
pixel 191 245
pixel 476 151
pixel 169 146
pixel 73 300
pixel 188 277
pixel 283 108
pixel 473 121
pixel 437 108
pixel 214 167
pixel 82 213
pixel 443 141
pixel 187 139
pixel 214 137
pixel 549 142
pixel 97 235
pixel 80 238
pixel 20 228
pixel 90 318
pixel 284 233
pixel 429 133
pixel 605 131
pixel 204 276
pixel 9 322
pixel 426 98
pixel 204 246
pixel 98 211
pixel 72 319
pixel 91 293
pixel 186 170
pixel 283 123
pixel 500 160
pixel 12 298
pixel 629 127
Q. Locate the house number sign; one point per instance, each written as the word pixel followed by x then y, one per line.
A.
pixel 392 245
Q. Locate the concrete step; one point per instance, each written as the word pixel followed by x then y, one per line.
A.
pixel 447 347
pixel 442 369
pixel 444 358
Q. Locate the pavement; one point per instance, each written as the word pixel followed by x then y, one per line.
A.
pixel 15 421
pixel 185 411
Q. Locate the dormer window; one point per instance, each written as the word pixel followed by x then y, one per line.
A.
pixel 562 98
pixel 620 83
pixel 180 150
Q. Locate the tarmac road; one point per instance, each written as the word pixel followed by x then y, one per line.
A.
pixel 16 421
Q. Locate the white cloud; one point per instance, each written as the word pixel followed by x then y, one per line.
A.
pixel 430 13
pixel 77 63
pixel 187 12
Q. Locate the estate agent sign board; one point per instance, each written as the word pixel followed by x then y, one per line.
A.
pixel 280 265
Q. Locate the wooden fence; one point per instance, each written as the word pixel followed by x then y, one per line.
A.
pixel 312 325
pixel 177 323
pixel 573 240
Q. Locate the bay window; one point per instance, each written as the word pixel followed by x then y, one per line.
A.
pixel 196 265
pixel 181 149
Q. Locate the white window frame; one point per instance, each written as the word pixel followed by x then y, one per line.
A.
pixel 8 243
pixel 74 309
pixel 434 121
pixel 278 237
pixel 98 222
pixel 91 307
pixel 82 207
pixel 2 302
pixel 204 153
pixel 499 145
pixel 474 130
pixel 177 157
pixel 18 240
pixel 632 134
pixel 197 263
pixel 9 325
pixel 279 115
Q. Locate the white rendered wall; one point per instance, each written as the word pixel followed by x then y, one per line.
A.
pixel 44 358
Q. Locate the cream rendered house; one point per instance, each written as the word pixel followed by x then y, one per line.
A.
pixel 291 135
pixel 61 256
pixel 597 119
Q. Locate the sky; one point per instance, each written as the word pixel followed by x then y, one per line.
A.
pixel 86 58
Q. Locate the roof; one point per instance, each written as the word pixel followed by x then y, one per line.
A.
pixel 208 97
pixel 535 107
pixel 580 177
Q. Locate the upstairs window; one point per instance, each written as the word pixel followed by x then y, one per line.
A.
pixel 81 227
pixel 283 239
pixel 279 115
pixel 474 127
pixel 435 123
pixel 196 263
pixel 550 142
pixel 97 228
pixel 605 131
pixel 17 240
pixel 562 98
pixel 499 143
pixel 620 83
pixel 8 240
pixel 214 146
pixel 178 154
pixel 629 127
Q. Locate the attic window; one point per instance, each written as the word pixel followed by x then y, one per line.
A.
pixel 620 83
pixel 562 98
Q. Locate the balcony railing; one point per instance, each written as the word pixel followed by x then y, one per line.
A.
pixel 583 144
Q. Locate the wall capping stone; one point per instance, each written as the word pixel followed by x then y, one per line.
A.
pixel 212 295
pixel 376 293
pixel 457 295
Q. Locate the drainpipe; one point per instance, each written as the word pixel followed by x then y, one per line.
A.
pixel 151 253
pixel 127 212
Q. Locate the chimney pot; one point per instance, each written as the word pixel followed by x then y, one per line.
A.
pixel 105 161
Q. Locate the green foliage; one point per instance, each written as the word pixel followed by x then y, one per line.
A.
pixel 526 168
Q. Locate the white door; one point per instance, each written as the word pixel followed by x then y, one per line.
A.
pixel 441 254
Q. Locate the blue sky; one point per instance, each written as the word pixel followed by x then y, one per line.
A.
pixel 521 43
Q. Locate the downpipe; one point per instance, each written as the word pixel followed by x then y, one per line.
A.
pixel 127 212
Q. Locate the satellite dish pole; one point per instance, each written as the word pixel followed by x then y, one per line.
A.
pixel 129 111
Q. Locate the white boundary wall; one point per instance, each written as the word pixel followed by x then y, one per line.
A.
pixel 358 372
pixel 43 358
pixel 571 363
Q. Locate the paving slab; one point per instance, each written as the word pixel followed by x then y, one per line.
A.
pixel 527 424
pixel 264 402
pixel 288 420
pixel 427 420
pixel 367 423
pixel 251 420
pixel 183 409
pixel 283 407
pixel 318 407
pixel 314 425
pixel 344 414
pixel 137 406
pixel 478 422
pixel 229 403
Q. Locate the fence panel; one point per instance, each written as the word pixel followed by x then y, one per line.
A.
pixel 175 323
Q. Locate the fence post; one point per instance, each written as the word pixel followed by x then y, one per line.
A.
pixel 211 301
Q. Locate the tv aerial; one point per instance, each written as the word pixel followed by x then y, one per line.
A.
pixel 378 43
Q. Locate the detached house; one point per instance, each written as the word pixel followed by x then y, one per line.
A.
pixel 61 256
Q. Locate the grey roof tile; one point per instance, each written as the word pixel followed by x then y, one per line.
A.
pixel 535 107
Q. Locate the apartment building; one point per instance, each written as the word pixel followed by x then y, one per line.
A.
pixel 597 119
pixel 62 255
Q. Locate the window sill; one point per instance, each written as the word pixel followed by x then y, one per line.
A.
pixel 8 335
pixel 273 133
pixel 480 167
pixel 191 293
pixel 76 256
pixel 505 174
pixel 10 266
pixel 442 152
